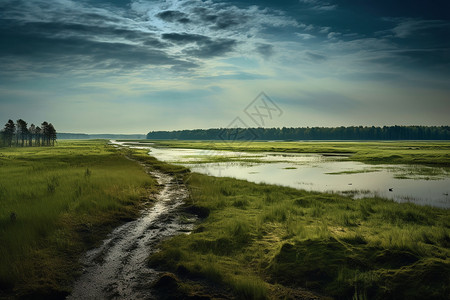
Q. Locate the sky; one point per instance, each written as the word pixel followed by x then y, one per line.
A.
pixel 134 66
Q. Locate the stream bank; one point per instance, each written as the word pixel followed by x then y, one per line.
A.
pixel 117 269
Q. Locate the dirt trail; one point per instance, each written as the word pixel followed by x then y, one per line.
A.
pixel 117 269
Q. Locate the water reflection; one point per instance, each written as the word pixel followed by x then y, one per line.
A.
pixel 317 177
pixel 314 172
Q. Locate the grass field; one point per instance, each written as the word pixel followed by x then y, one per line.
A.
pixel 55 202
pixel 260 241
pixel 265 241
pixel 435 153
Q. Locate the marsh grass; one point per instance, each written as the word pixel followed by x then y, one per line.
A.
pixel 64 199
pixel 260 236
pixel 362 171
pixel 420 172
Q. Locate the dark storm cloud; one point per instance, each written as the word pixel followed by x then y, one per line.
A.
pixel 209 29
pixel 57 45
pixel 83 31
pixel 52 42
pixel 142 33
pixel 68 34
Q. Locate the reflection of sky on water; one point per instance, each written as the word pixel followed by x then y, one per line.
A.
pixel 314 178
pixel 312 172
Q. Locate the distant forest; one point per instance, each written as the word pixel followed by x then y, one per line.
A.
pixel 84 136
pixel 309 133
pixel 20 135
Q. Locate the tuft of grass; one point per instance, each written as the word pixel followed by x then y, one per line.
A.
pixel 247 287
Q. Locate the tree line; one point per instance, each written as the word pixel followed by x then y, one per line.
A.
pixel 20 135
pixel 310 133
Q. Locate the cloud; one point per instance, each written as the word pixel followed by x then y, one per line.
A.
pixel 325 7
pixel 93 32
pixel 30 46
pixel 211 48
pixel 407 28
pixel 325 29
pixel 222 19
pixel 315 2
pixel 265 50
pixel 183 35
pixel 307 27
pixel 52 39
pixel 319 5
pixel 205 47
pixel 80 35
pixel 223 16
pixel 237 76
pixel 315 56
pixel 305 36
pixel 185 38
pixel 333 35
pixel 128 49
pixel 173 16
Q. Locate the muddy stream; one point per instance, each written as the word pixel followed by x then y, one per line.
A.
pixel 118 269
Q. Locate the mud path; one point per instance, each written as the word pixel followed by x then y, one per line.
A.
pixel 118 269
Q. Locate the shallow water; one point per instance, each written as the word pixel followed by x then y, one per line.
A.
pixel 117 269
pixel 315 172
pixel 315 178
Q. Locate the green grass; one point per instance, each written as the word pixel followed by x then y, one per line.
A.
pixel 64 199
pixel 434 153
pixel 263 240
pixel 354 172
